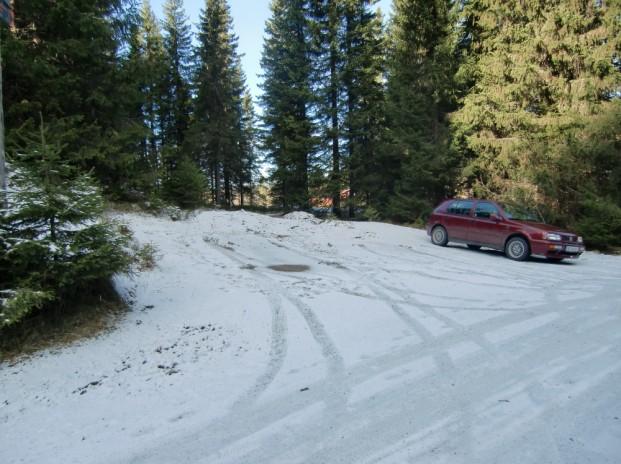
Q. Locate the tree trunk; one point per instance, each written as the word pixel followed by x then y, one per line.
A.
pixel 227 188
pixel 334 109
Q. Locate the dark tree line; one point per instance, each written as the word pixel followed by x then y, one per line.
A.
pixel 131 97
pixel 323 100
pixel 512 99
pixel 517 100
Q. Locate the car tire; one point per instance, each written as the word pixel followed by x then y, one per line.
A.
pixel 439 236
pixel 517 249
pixel 474 247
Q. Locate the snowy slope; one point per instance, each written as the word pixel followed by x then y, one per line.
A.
pixel 386 350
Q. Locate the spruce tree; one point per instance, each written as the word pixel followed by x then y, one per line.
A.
pixel 53 240
pixel 287 101
pixel 420 81
pixel 63 59
pixel 363 45
pixel 186 184
pixel 152 72
pixel 326 24
pixel 178 47
pixel 542 76
pixel 216 132
pixel 249 162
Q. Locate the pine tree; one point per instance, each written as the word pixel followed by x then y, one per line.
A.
pixel 421 67
pixel 63 60
pixel 152 73
pixel 178 47
pixel 287 101
pixel 363 47
pixel 220 83
pixel 326 25
pixel 53 242
pixel 249 164
pixel 186 184
pixel 544 75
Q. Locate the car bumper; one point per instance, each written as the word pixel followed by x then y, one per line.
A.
pixel 550 249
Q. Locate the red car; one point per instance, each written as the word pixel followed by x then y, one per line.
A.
pixel 485 223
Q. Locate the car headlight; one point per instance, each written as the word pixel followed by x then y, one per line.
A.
pixel 553 237
pixel 580 240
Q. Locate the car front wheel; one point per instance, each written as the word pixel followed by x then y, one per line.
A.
pixel 439 236
pixel 517 249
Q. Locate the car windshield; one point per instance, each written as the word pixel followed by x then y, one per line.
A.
pixel 521 213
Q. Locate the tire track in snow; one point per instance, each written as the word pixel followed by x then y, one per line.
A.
pixel 334 360
pixel 377 425
pixel 443 358
pixel 278 353
pixel 278 335
pixel 469 335
pixel 375 433
pixel 227 431
pixel 370 427
pixel 245 418
pixel 377 287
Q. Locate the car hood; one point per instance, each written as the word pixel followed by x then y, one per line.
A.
pixel 543 227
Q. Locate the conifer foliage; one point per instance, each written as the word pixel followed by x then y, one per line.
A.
pixel 216 136
pixel 150 55
pixel 511 99
pixel 289 132
pixel 53 242
pixel 61 60
pixel 420 83
pixel 545 78
pixel 322 99
pixel 178 59
pixel 364 115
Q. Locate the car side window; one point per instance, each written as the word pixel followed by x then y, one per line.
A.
pixel 484 210
pixel 460 207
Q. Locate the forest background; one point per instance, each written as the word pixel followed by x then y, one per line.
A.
pixel 379 118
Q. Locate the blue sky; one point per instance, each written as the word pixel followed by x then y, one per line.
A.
pixel 249 18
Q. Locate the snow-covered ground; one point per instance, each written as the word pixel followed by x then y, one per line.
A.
pixel 386 350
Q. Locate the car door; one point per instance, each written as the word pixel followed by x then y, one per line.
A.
pixel 486 227
pixel 458 218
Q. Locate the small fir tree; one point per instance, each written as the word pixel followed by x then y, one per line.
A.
pixel 53 242
pixel 186 185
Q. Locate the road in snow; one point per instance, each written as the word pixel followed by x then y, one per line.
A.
pixel 387 350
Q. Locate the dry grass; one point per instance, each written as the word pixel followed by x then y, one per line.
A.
pixel 88 317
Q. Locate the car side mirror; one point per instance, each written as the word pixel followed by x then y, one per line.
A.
pixel 495 217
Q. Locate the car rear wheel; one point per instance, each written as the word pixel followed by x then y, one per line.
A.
pixel 517 249
pixel 439 236
pixel 474 247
